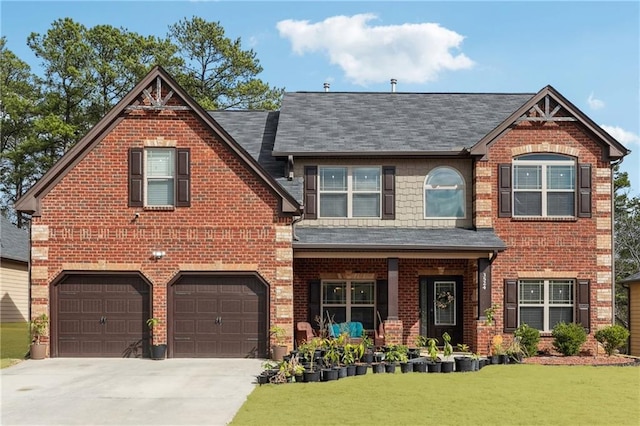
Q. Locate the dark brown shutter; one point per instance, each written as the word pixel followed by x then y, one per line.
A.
pixel 510 305
pixel 382 299
pixel 582 304
pixel 183 177
pixel 388 192
pixel 504 190
pixel 311 192
pixel 313 309
pixel 136 177
pixel 584 190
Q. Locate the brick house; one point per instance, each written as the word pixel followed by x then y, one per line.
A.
pixel 418 210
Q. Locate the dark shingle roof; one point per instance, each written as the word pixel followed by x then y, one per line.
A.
pixel 255 131
pixel 378 123
pixel 632 278
pixel 14 242
pixel 397 238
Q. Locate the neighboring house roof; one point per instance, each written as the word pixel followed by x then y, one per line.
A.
pixel 14 242
pixel 255 131
pixel 633 278
pixel 30 202
pixel 381 238
pixel 340 124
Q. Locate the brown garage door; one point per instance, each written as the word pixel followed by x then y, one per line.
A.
pixel 218 317
pixel 101 316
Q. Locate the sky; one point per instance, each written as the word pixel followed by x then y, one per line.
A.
pixel 588 51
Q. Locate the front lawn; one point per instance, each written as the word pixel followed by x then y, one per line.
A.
pixel 14 342
pixel 497 394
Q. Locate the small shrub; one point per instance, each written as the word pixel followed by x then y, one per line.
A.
pixel 529 339
pixel 612 338
pixel 568 338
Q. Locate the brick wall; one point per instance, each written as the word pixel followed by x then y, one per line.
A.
pixel 232 224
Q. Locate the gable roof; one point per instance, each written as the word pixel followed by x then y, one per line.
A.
pixel 14 242
pixel 635 278
pixel 30 202
pixel 343 124
pixel 614 149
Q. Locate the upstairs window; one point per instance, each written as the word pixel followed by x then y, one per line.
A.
pixel 544 185
pixel 159 178
pixel 444 194
pixel 350 192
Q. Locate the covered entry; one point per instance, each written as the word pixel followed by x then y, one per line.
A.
pixel 215 316
pixel 96 315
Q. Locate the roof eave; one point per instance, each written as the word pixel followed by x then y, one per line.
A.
pixel 462 152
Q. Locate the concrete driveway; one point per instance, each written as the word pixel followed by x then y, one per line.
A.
pixel 93 391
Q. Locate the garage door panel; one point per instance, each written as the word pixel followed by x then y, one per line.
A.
pixel 184 326
pixel 185 306
pixel 102 316
pixel 230 316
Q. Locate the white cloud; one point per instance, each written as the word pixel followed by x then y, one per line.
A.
pixel 411 53
pixel 594 103
pixel 625 137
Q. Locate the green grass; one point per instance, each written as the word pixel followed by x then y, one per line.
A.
pixel 14 342
pixel 502 395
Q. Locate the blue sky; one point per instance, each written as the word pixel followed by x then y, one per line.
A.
pixel 589 51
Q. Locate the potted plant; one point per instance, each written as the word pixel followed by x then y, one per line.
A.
pixel 157 351
pixel 515 351
pixel 279 349
pixel 38 328
pixel 308 349
pixel 395 354
pixel 349 358
pixel 365 349
pixel 497 349
pixel 464 361
pixel 447 351
pixel 434 366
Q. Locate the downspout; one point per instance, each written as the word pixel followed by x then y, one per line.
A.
pixel 493 257
pixel 293 226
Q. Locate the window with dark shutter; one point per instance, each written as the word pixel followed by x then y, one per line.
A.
pixel 388 192
pixel 183 177
pixel 311 193
pixel 136 177
pixel 583 304
pixel 584 190
pixel 504 190
pixel 510 305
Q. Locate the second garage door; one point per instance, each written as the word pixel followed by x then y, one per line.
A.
pixel 218 317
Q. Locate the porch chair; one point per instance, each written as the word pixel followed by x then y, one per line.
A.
pixel 304 332
pixel 378 338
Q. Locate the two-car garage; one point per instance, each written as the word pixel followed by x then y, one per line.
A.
pixel 208 316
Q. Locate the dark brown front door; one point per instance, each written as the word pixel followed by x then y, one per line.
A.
pixel 218 317
pixel 441 307
pixel 101 316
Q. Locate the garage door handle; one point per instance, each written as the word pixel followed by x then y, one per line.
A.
pixel 103 320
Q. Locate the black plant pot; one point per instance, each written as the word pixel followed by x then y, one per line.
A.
pixel 463 364
pixel 158 351
pixel 342 372
pixel 495 359
pixel 447 366
pixel 390 368
pixel 420 367
pixel 311 376
pixel 299 378
pixel 351 370
pixel 434 367
pixel 475 364
pixel 329 374
pixel 406 367
pixel 504 359
pixel 361 369
pixel 482 362
pixel 262 379
pixel 378 367
pixel 367 358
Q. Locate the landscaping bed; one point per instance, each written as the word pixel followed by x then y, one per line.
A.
pixel 581 360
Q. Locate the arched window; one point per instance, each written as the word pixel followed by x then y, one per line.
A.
pixel 444 194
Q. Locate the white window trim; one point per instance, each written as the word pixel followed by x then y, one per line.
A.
pixel 349 192
pixel 147 178
pixel 543 183
pixel 464 194
pixel 347 305
pixel 546 300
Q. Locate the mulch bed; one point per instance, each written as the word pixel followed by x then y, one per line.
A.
pixel 582 360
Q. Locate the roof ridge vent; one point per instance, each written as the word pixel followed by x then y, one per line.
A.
pixel 326 87
pixel 393 85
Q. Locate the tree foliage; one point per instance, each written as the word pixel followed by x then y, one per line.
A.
pixel 86 71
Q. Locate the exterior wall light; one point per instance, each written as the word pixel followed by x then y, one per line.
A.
pixel 157 254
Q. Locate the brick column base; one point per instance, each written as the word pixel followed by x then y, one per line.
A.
pixel 484 334
pixel 393 332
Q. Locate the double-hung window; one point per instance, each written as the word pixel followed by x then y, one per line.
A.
pixel 346 301
pixel 544 303
pixel 159 178
pixel 350 192
pixel 544 185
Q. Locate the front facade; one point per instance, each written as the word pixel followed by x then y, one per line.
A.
pixel 420 211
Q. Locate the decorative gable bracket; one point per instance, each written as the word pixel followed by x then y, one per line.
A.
pixel 543 112
pixel 156 101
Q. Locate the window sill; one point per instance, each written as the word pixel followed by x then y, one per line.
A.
pixel 159 208
pixel 543 219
